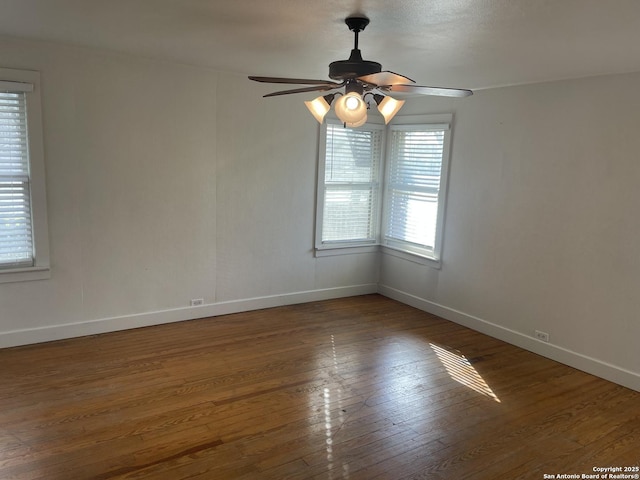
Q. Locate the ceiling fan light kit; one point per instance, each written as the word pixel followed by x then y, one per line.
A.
pixel 320 106
pixel 351 108
pixel 362 80
pixel 387 106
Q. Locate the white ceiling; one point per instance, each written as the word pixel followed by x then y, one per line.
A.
pixel 450 43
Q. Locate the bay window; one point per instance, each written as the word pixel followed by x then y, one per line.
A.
pixel 384 187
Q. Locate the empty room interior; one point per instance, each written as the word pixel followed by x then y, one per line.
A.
pixel 437 277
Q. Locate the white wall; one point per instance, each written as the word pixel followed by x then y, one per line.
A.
pixel 267 157
pixel 542 225
pixel 166 183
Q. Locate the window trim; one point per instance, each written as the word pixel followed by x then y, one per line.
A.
pixel 342 247
pixel 41 266
pixel 432 259
pixel 398 248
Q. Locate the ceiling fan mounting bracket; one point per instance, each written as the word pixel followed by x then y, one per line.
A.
pixel 356 24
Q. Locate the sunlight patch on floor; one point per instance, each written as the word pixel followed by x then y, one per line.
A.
pixel 329 424
pixel 461 370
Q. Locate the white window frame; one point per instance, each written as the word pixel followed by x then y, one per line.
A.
pixel 407 250
pixel 327 248
pixel 29 82
pixel 430 257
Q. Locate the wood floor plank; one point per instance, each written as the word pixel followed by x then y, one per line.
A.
pixel 355 388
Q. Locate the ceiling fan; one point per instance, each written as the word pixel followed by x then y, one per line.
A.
pixel 363 81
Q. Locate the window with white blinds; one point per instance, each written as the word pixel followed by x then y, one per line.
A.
pixel 350 187
pixel 413 187
pixel 24 250
pixel 16 240
pixel 383 187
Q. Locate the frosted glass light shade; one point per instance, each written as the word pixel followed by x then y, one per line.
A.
pixel 318 107
pixel 359 123
pixel 388 107
pixel 351 109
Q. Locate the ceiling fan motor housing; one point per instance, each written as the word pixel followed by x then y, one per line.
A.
pixel 353 68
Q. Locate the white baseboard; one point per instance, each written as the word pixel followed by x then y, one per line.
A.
pixel 92 327
pixel 576 360
pixel 582 362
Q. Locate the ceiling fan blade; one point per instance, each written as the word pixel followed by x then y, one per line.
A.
pixel 422 90
pixel 299 81
pixel 385 78
pixel 318 88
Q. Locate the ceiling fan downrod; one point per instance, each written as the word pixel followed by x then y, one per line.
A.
pixel 356 25
pixel 355 66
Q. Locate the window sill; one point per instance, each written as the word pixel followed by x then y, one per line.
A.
pixel 387 250
pixel 326 251
pixel 25 274
pixel 413 257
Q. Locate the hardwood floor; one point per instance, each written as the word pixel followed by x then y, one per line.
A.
pixel 356 388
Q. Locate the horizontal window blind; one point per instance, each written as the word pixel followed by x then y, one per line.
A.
pixel 352 165
pixel 16 238
pixel 413 185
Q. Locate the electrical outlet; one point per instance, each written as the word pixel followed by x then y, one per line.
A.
pixel 544 336
pixel 196 302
